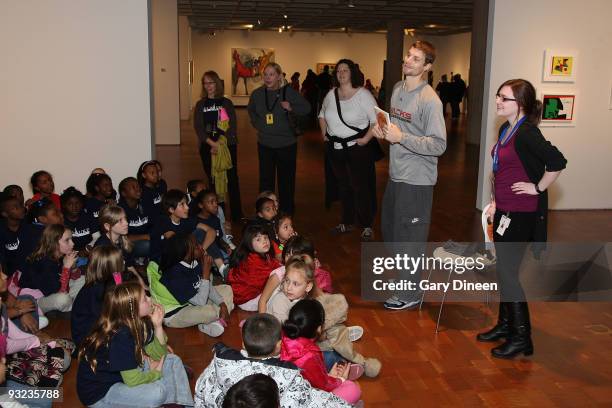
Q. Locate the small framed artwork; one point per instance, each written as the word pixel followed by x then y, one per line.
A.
pixel 558 109
pixel 559 66
pixel 321 66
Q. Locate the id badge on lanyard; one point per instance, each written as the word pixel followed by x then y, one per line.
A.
pixel 269 119
pixel 503 140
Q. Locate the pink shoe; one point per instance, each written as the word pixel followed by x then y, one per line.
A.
pixel 355 371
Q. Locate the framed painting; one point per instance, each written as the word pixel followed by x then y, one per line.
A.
pixel 558 109
pixel 559 66
pixel 247 69
pixel 321 65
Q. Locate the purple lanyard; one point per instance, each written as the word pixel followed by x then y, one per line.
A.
pixel 503 140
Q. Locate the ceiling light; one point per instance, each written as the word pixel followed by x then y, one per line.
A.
pixel 284 15
pixel 280 29
pixel 249 26
pixel 351 4
pixel 431 26
pixel 258 22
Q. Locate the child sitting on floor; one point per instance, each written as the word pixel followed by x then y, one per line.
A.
pixel 189 297
pixel 300 332
pixel 261 338
pixel 251 263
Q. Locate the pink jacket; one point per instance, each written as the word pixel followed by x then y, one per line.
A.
pixel 305 354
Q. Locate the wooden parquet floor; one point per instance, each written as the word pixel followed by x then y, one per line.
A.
pixel 572 364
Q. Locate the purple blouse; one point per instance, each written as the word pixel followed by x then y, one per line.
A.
pixel 511 171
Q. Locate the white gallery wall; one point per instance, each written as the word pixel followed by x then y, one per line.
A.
pixel 165 69
pixel 522 30
pixel 74 82
pixel 301 50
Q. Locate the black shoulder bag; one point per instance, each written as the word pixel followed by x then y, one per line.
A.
pixel 373 145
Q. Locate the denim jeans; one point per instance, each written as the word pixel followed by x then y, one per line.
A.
pixel 331 357
pixel 172 388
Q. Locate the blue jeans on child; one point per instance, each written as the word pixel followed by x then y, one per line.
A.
pixel 172 388
pixel 331 357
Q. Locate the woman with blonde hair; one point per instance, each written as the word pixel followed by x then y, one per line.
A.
pixel 51 269
pixel 214 117
pixel 125 360
pixel 269 108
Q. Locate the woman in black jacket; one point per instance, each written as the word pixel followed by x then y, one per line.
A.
pixel 524 166
pixel 269 108
pixel 206 123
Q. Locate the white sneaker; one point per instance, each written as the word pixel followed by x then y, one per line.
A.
pixel 213 329
pixel 355 333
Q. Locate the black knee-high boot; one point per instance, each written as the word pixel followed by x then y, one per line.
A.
pixel 519 340
pixel 502 329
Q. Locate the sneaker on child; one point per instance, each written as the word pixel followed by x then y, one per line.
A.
pixel 355 333
pixel 213 329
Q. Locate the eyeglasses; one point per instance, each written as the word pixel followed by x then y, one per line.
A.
pixel 503 98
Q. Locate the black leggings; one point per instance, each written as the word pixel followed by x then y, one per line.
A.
pixel 509 256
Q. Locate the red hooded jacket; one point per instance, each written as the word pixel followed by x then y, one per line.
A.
pixel 249 277
pixel 305 354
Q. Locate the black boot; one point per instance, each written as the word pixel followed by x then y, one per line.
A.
pixel 502 329
pixel 519 340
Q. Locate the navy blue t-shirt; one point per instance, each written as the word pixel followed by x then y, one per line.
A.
pixel 86 310
pixel 118 356
pixel 92 207
pixel 17 246
pixel 127 256
pixel 182 280
pixel 43 274
pixel 138 221
pixel 151 201
pixel 81 230
pixel 165 224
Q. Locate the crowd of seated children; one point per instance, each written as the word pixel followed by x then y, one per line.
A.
pixel 182 284
pixel 261 337
pixel 337 339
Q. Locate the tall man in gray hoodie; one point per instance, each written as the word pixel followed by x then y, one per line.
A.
pixel 417 135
